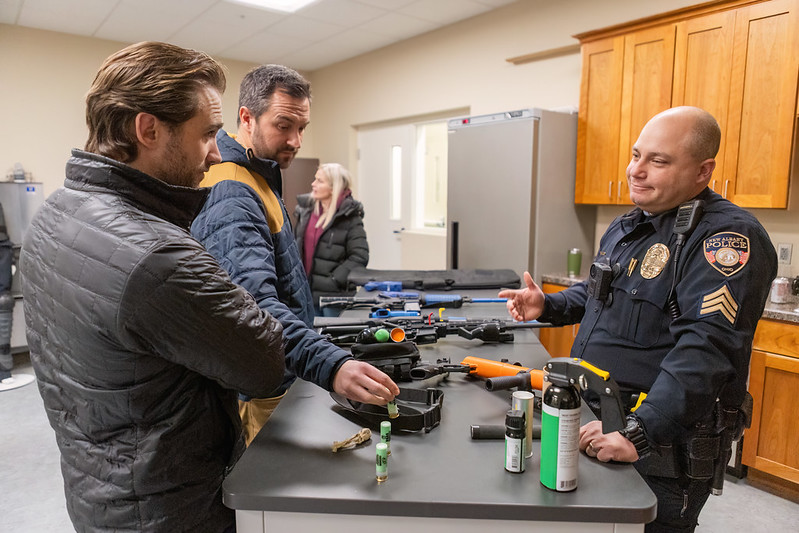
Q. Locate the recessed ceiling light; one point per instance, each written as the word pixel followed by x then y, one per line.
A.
pixel 287 6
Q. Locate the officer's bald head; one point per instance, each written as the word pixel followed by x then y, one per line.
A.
pixel 703 135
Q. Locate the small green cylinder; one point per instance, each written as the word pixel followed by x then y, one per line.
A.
pixel 381 462
pixel 385 434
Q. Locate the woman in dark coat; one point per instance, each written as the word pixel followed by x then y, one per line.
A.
pixel 330 233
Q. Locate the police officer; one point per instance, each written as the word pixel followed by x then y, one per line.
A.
pixel 670 310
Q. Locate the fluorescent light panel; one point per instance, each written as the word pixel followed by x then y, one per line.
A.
pixel 287 6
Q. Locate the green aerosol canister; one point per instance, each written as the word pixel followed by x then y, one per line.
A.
pixel 560 435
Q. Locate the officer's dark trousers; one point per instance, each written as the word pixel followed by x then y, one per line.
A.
pixel 679 502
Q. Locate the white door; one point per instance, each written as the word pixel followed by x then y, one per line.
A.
pixel 384 178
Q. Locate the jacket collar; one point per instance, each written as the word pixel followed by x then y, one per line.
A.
pixel 233 151
pixel 91 172
pixel 663 222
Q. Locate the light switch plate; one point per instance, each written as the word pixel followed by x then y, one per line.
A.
pixel 784 251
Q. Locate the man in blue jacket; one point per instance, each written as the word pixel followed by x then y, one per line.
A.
pixel 245 225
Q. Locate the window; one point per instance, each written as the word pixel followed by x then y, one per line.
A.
pixel 430 186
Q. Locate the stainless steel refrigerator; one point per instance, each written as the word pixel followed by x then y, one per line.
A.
pixel 510 193
pixel 21 201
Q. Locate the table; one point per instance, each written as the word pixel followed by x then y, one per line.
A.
pixel 290 480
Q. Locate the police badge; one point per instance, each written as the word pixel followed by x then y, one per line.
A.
pixel 727 252
pixel 655 259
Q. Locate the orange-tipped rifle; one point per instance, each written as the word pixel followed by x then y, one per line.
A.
pixel 500 375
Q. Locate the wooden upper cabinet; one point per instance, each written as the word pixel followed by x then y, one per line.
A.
pixel 625 81
pixel 646 90
pixel 597 138
pixel 737 59
pixel 763 95
pixel 702 67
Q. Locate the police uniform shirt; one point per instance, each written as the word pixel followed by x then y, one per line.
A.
pixel 723 278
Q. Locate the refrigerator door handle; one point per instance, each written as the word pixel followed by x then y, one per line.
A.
pixel 454 249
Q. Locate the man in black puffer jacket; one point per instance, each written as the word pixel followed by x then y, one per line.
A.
pixel 138 337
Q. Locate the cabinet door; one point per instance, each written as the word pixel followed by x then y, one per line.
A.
pixel 598 122
pixel 557 341
pixel 770 444
pixel 762 104
pixel 646 90
pixel 702 65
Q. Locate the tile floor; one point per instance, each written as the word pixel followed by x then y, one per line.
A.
pixel 32 499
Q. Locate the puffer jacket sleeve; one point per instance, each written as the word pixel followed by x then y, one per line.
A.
pixel 179 304
pixel 357 250
pixel 233 228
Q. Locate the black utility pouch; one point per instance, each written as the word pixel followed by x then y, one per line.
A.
pixel 698 456
pixel 394 358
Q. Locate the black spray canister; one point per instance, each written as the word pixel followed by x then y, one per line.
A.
pixel 560 436
pixel 514 441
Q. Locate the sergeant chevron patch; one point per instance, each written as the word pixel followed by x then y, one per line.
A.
pixel 720 301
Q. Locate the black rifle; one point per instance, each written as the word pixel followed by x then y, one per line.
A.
pixel 424 330
pixel 407 301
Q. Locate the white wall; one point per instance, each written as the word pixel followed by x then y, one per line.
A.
pixel 44 77
pixel 464 66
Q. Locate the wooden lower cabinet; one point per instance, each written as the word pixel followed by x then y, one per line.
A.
pixel 557 341
pixel 770 445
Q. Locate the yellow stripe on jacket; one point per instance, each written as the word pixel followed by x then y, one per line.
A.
pixel 233 172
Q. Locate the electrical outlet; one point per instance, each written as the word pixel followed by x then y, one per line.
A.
pixel 784 251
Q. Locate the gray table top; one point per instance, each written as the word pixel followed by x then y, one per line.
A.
pixel 290 466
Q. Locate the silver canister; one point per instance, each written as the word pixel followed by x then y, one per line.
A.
pixel 780 290
pixel 524 401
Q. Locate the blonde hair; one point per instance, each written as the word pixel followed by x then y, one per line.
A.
pixel 339 179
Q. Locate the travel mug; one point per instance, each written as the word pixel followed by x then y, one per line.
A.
pixel 574 259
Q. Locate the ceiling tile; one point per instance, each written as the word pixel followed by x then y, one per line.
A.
pixel 150 20
pixel 9 10
pixel 398 25
pixel 305 29
pixel 389 5
pixel 495 3
pixel 346 13
pixel 222 26
pixel 444 11
pixel 80 17
pixel 264 47
pixel 323 33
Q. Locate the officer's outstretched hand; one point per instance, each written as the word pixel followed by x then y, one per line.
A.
pixel 606 447
pixel 363 382
pixel 524 304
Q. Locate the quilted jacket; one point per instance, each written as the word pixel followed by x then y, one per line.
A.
pixel 244 224
pixel 139 341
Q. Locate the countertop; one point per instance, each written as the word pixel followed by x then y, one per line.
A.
pixel 443 474
pixel 786 312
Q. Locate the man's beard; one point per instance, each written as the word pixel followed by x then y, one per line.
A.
pixel 262 151
pixel 177 169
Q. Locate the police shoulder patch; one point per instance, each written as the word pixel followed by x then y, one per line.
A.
pixel 727 252
pixel 721 302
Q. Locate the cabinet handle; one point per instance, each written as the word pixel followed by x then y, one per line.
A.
pixel 713 185
pixel 724 194
pixel 618 192
pixel 610 189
